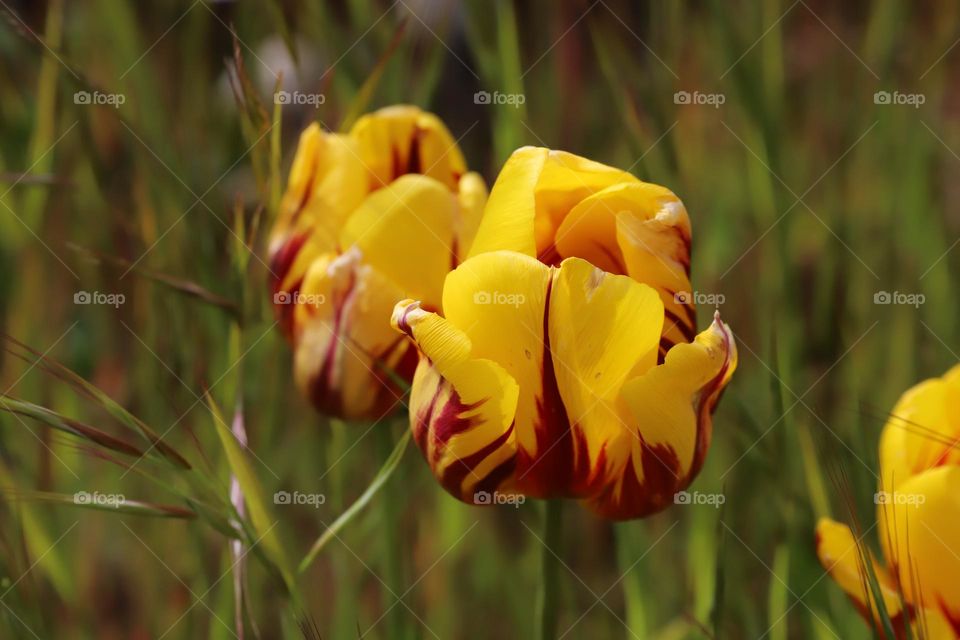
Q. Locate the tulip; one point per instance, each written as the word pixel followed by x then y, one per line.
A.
pixel 358 207
pixel 918 514
pixel 565 363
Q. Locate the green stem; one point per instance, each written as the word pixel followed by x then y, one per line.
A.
pixel 393 541
pixel 549 596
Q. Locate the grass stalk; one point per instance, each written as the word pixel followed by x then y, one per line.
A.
pixel 549 595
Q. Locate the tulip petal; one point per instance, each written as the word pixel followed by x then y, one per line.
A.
pixel 327 181
pixel 346 356
pixel 602 329
pixel 498 300
pixel 461 407
pixel 670 407
pixel 402 139
pixel 511 209
pixel 655 241
pixel 535 190
pixel 473 199
pixel 919 529
pixel 843 559
pixel 641 230
pixel 407 230
pixel 923 430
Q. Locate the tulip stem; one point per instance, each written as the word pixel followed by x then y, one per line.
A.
pixel 548 599
pixel 390 510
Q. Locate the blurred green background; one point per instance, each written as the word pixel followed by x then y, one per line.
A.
pixel 810 194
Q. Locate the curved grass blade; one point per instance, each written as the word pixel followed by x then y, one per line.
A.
pixel 112 503
pixel 365 94
pixel 63 423
pixel 254 496
pixel 186 287
pixel 60 371
pixel 378 481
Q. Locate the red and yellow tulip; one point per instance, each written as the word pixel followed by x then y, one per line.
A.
pixel 368 218
pixel 565 364
pixel 918 514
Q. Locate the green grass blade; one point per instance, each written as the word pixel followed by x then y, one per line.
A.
pixel 378 481
pixel 255 497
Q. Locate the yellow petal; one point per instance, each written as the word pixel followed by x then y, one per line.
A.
pixel 461 407
pixel 655 240
pixel 327 181
pixel 402 139
pixel 473 198
pixel 923 430
pixel 641 230
pixel 670 409
pixel 602 329
pixel 346 355
pixel 534 192
pixel 919 530
pixel 840 555
pixel 408 231
pixel 498 300
pixel 511 209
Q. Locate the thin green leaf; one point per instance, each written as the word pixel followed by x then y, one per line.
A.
pixel 263 522
pixel 378 481
pixel 111 503
pixel 68 425
pixel 186 287
pixel 362 100
pixel 53 367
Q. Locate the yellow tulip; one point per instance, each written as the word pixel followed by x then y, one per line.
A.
pixel 358 208
pixel 918 515
pixel 564 363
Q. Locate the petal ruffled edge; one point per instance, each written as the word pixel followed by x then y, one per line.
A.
pixel 671 407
